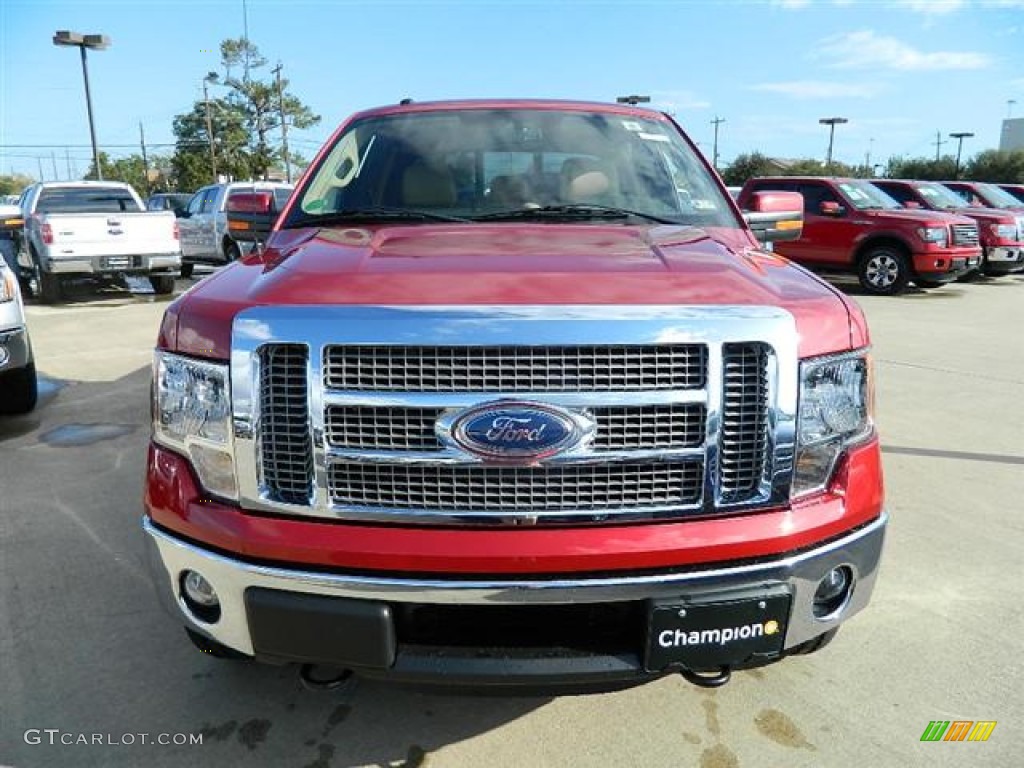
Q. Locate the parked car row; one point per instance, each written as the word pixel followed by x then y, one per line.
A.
pixel 891 232
pixel 60 231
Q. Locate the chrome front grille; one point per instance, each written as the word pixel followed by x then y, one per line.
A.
pixel 744 449
pixel 286 451
pixel 516 490
pixel 591 368
pixel 692 411
pixel 965 234
pixel 640 427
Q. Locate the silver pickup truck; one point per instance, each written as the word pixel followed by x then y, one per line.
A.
pixel 204 228
pixel 95 229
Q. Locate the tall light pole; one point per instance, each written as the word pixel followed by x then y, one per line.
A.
pixel 831 122
pixel 716 122
pixel 97 43
pixel 959 145
pixel 210 77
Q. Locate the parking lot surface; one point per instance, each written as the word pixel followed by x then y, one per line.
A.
pixel 85 651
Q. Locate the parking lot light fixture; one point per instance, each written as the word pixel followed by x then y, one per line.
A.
pixel 959 136
pixel 97 42
pixel 831 122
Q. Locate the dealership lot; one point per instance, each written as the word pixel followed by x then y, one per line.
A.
pixel 85 649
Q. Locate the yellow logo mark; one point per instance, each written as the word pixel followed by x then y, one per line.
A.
pixel 771 627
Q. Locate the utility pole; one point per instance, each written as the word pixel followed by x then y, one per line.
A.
pixel 284 124
pixel 145 159
pixel 209 129
pixel 938 144
pixel 53 160
pixel 867 155
pixel 245 38
pixel 716 122
pixel 39 162
pixel 67 160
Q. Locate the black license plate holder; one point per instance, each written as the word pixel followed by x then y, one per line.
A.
pixel 707 635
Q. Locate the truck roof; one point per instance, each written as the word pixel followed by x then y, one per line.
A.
pixel 548 104
pixel 83 184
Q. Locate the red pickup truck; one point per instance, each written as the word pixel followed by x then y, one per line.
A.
pixel 513 398
pixel 851 225
pixel 1001 239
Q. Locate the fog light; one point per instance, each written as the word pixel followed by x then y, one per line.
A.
pixel 833 592
pixel 200 597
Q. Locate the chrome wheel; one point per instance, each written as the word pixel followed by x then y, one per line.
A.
pixel 882 271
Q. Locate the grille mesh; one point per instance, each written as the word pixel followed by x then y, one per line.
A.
pixel 744 441
pixel 287 452
pixel 965 234
pixel 593 368
pixel 515 490
pixel 641 427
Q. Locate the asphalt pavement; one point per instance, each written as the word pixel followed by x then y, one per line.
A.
pixel 88 657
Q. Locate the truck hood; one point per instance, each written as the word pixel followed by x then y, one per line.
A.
pixel 517 264
pixel 921 216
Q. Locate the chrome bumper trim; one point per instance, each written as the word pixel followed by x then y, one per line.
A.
pixel 93 264
pixel 169 556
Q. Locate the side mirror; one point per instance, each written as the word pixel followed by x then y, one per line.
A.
pixel 911 204
pixel 251 216
pixel 829 208
pixel 774 216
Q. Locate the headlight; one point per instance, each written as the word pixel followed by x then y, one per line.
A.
pixel 192 414
pixel 8 286
pixel 937 235
pixel 835 412
pixel 1004 231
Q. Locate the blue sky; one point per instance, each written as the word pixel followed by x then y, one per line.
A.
pixel 898 70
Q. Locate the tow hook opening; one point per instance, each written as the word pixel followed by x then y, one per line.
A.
pixel 707 680
pixel 317 677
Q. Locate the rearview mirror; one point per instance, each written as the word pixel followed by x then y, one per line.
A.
pixel 911 204
pixel 251 216
pixel 774 216
pixel 830 208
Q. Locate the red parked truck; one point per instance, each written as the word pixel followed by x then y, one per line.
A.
pixel 980 193
pixel 513 398
pixel 851 225
pixel 1001 239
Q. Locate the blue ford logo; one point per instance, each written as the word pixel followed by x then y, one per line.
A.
pixel 515 431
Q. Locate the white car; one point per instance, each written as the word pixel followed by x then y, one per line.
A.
pixel 18 387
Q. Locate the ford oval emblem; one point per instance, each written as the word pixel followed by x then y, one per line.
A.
pixel 521 432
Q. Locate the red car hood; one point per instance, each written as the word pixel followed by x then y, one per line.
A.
pixel 517 264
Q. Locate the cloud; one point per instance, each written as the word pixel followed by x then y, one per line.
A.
pixel 933 7
pixel 867 50
pixel 818 89
pixel 673 101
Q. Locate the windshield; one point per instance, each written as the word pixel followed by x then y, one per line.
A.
pixel 940 196
pixel 996 197
pixel 866 196
pixel 482 163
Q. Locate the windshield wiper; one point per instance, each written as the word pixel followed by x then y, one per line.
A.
pixel 571 210
pixel 377 213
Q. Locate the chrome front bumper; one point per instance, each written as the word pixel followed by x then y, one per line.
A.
pixel 166 262
pixel 1005 255
pixel 800 574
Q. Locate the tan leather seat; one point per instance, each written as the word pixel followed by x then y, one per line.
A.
pixel 426 186
pixel 584 181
